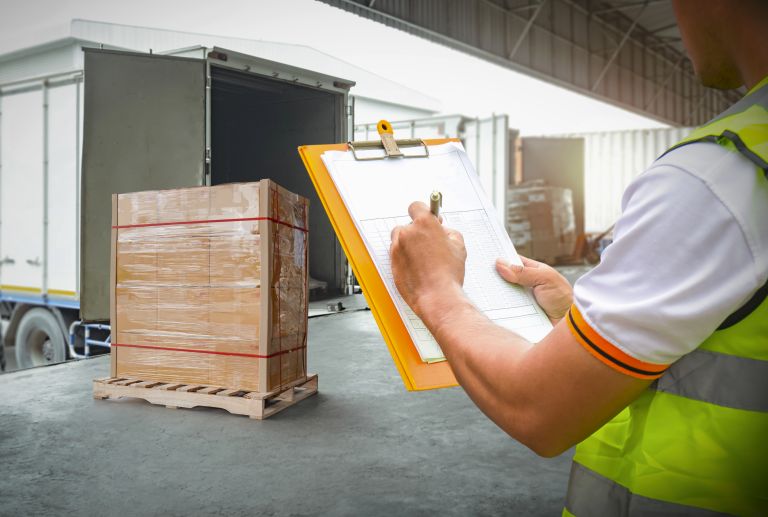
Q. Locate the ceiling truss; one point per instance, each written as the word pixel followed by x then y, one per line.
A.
pixel 627 53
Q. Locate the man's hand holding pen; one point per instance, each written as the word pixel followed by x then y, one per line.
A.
pixel 427 260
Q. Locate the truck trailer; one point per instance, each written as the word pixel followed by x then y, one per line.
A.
pixel 131 121
pixel 106 120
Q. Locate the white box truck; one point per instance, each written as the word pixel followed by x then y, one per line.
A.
pixel 201 116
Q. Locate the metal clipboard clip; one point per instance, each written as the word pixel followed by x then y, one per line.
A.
pixel 389 144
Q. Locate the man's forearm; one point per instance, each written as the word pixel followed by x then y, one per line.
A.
pixel 484 358
pixel 534 393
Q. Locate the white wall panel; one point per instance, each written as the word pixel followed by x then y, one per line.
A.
pixel 612 161
pixel 21 189
pixel 62 186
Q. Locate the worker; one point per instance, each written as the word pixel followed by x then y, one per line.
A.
pixel 657 365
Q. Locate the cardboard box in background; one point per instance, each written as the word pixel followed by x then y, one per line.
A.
pixel 210 286
pixel 540 221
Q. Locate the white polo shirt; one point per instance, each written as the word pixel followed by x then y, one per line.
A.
pixel 690 248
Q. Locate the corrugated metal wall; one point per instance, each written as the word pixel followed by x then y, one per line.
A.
pixel 611 161
pixel 600 49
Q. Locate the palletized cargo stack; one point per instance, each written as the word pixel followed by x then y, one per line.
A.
pixel 209 291
pixel 540 221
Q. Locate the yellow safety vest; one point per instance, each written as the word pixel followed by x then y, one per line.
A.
pixel 696 442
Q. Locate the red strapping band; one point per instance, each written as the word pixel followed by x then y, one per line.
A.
pixel 147 225
pixel 212 352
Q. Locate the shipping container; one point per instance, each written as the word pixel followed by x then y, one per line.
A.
pixel 598 167
pixel 612 159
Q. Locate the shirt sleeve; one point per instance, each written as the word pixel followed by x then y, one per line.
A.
pixel 679 265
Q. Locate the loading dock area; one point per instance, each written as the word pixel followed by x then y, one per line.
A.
pixel 361 442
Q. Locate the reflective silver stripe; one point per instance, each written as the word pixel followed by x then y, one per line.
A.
pixel 756 98
pixel 722 379
pixel 759 97
pixel 590 494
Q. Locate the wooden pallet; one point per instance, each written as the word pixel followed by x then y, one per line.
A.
pixel 175 395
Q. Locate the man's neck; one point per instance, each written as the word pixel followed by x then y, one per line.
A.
pixel 754 77
pixel 750 53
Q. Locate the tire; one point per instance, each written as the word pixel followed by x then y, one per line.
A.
pixel 39 340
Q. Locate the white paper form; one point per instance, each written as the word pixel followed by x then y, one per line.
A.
pixel 377 194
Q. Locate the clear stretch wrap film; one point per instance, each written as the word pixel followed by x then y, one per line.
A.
pixel 210 286
pixel 540 221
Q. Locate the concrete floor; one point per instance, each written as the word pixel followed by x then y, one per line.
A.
pixel 362 446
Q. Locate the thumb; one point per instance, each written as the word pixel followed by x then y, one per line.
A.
pixel 525 276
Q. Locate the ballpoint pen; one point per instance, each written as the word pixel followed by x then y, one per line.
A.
pixel 435 202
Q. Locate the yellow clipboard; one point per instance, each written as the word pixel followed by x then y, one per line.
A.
pixel 416 374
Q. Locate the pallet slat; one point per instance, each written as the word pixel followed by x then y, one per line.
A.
pixel 190 388
pixel 147 384
pixel 168 387
pixel 210 390
pixel 126 382
pixel 229 393
pixel 240 402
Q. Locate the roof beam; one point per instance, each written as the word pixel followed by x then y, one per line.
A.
pixel 587 46
pixel 527 28
pixel 663 28
pixel 630 5
pixel 619 47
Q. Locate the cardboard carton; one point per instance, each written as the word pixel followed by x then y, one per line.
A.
pixel 546 214
pixel 210 286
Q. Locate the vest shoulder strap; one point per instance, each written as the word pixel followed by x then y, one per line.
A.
pixel 754 110
pixel 746 309
pixel 713 131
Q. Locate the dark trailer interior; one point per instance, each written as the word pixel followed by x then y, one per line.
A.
pixel 256 125
pixel 200 117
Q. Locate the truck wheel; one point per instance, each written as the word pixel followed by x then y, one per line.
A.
pixel 39 340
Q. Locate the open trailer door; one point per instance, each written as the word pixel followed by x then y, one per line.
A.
pixel 144 129
pixel 559 161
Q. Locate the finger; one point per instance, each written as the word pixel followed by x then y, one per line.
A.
pixel 454 235
pixel 521 275
pixel 530 262
pixel 395 235
pixel 418 209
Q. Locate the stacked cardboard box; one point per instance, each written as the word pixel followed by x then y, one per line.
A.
pixel 540 221
pixel 209 286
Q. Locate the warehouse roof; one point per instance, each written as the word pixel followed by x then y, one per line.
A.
pixel 626 52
